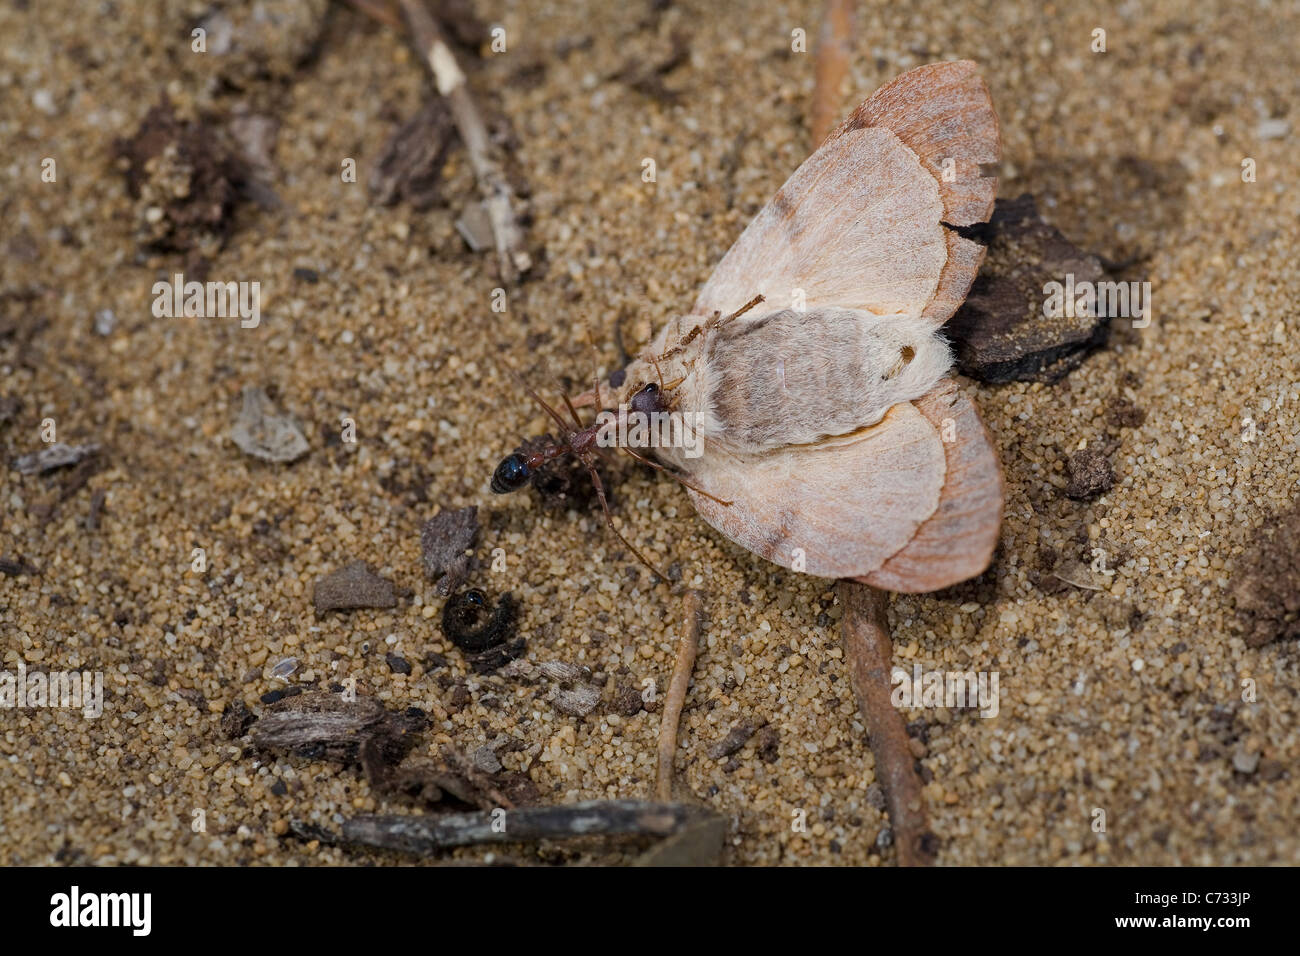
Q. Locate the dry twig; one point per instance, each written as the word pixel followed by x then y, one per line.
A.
pixel 831 66
pixel 675 699
pixel 870 653
pixel 597 818
pixel 498 198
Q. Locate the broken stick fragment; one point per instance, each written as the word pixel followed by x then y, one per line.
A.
pixel 424 835
pixel 870 652
pixel 676 697
pixel 497 197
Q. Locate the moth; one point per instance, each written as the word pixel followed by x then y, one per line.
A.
pixel 811 367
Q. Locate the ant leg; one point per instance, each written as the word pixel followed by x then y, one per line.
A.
pixel 528 389
pixel 595 368
pixel 572 411
pixel 673 474
pixel 609 520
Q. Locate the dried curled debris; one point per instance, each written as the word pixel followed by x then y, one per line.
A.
pixel 1267 586
pixel 1000 333
pixel 486 634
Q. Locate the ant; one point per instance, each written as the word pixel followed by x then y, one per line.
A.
pixel 579 440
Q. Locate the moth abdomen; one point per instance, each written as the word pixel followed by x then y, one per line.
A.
pixel 794 378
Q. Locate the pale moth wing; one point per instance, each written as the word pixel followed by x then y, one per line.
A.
pixel 888 186
pixel 913 501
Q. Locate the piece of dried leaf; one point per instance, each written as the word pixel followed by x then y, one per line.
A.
pixel 1000 333
pixel 352 586
pixel 266 433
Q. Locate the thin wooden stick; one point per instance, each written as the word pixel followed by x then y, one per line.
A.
pixel 870 654
pixel 498 199
pixel 426 834
pixel 675 699
pixel 831 66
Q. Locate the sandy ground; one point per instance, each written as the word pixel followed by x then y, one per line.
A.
pixel 1126 699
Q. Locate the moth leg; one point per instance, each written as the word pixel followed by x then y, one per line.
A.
pixel 673 474
pixel 609 520
pixel 720 320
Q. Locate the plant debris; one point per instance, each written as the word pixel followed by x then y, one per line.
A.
pixel 869 651
pixel 558 671
pixel 425 835
pixel 51 457
pixel 185 179
pixel 498 196
pixel 736 738
pixel 1000 333
pixel 675 699
pixel 1090 473
pixel 353 586
pixel 444 541
pixel 1267 586
pixel 236 719
pixel 320 725
pixel 578 701
pixel 264 432
pixel 486 634
pixel 457 781
pixel 409 167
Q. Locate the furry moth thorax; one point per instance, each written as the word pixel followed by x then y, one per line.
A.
pixel 786 377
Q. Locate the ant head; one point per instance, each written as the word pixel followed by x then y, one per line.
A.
pixel 511 475
pixel 648 399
